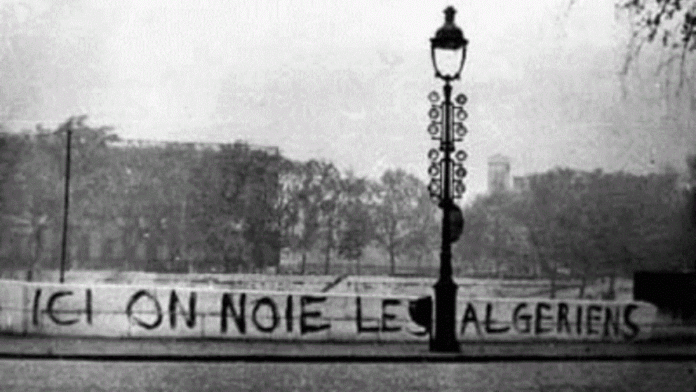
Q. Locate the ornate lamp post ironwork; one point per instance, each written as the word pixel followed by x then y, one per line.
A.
pixel 447 172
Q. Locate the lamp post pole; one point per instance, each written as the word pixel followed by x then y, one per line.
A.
pixel 445 289
pixel 447 174
pixel 66 203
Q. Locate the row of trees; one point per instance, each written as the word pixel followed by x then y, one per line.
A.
pixel 590 224
pixel 345 214
pixel 232 207
pixel 235 207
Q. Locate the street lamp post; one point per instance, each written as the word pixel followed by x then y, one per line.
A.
pixel 66 202
pixel 448 52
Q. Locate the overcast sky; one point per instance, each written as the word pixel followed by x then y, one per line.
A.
pixel 347 81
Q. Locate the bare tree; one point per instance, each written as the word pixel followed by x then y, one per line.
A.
pixel 356 229
pixel 400 221
pixel 669 23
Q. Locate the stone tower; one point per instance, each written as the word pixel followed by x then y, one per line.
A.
pixel 498 173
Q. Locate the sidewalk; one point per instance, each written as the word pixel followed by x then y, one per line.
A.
pixel 146 349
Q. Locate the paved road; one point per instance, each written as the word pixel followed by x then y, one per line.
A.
pixel 80 364
pixel 61 375
pixel 210 350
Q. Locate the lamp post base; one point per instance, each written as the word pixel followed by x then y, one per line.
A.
pixel 444 339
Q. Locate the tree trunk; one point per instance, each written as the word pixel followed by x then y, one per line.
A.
pixel 327 260
pixel 612 284
pixel 583 284
pixel 583 280
pixel 130 236
pixel 258 256
pixel 554 272
pixel 418 264
pixel 151 255
pixel 182 237
pixel 38 250
pixel 392 262
pixel 329 245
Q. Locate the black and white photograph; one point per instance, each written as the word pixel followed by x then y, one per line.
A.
pixel 364 195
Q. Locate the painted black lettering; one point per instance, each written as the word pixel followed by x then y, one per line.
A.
pixel 489 321
pixel 190 316
pixel 634 328
pixel 470 316
pixel 359 318
pixel 591 317
pixel 134 318
pixel 611 319
pixel 578 320
pixel 307 300
pixel 421 313
pixel 52 302
pixel 228 306
pixel 389 316
pixel 540 317
pixel 275 319
pixel 35 308
pixel 288 313
pixel 562 321
pixel 526 318
pixel 88 306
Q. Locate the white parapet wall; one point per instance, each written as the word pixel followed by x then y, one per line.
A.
pixel 123 311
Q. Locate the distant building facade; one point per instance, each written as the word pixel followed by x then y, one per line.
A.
pixel 144 219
